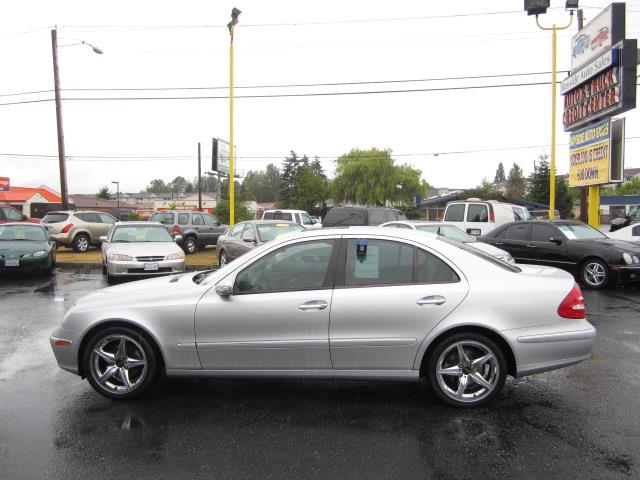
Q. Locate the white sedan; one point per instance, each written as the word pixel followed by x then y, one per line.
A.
pixel 454 233
pixel 342 303
pixel 140 248
pixel 630 233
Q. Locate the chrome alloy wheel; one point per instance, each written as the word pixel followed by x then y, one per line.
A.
pixel 118 364
pixel 594 274
pixel 467 371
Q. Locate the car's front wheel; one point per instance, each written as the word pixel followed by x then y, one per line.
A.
pixel 594 273
pixel 466 370
pixel 120 363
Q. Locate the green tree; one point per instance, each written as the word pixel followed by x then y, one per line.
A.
pixel 539 191
pixel 411 211
pixel 103 193
pixel 371 177
pixel 499 180
pixel 287 178
pixel 485 191
pixel 179 185
pixel 309 189
pixel 263 186
pixel 630 187
pixel 516 184
pixel 158 186
pixel 241 211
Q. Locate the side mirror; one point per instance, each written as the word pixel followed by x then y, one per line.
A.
pixel 557 241
pixel 177 238
pixel 249 236
pixel 224 290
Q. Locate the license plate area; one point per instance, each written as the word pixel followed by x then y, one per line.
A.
pixel 150 267
pixel 12 262
pixel 473 231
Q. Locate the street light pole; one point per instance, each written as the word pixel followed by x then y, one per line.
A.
pixel 235 13
pixel 117 194
pixel 554 72
pixel 61 153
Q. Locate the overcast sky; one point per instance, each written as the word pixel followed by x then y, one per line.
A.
pixel 159 44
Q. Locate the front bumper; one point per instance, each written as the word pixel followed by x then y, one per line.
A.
pixel 125 268
pixel 27 265
pixel 625 273
pixel 66 355
pixel 549 347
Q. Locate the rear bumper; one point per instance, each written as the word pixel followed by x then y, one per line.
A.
pixel 550 347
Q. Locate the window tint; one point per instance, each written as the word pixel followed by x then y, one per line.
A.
pixel 106 218
pixel 237 231
pixel 518 214
pixel 196 219
pixel 183 218
pixel 277 216
pixel 165 218
pixel 302 266
pixel 210 219
pixel 455 213
pixel 542 233
pixel 11 214
pixel 502 233
pixel 55 217
pixel 385 263
pixel 377 216
pixel 306 219
pixel 519 232
pixel 635 231
pixel 89 217
pixel 432 269
pixel 344 216
pixel 477 213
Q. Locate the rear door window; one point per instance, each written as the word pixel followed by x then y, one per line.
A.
pixel 477 213
pixel 542 233
pixel 519 232
pixel 383 263
pixel 455 213
pixel 89 217
pixel 210 219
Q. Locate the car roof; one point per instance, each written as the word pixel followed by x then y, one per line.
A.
pixel 138 224
pixel 408 234
pixel 269 222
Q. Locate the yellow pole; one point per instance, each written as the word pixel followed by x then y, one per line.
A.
pixel 552 175
pixel 231 163
pixel 593 211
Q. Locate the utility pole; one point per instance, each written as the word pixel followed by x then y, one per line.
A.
pixel 199 180
pixel 583 190
pixel 61 152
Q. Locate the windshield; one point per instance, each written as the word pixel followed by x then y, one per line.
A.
pixel 268 232
pixel 9 233
pixel 448 231
pixel 481 254
pixel 580 231
pixel 634 212
pixel 126 234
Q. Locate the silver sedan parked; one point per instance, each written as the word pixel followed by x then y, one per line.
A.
pixel 363 302
pixel 140 248
pixel 454 233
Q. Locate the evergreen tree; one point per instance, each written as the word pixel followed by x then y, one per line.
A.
pixel 539 191
pixel 516 184
pixel 103 193
pixel 287 179
pixel 499 180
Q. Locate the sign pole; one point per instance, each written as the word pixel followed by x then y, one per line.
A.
pixel 594 206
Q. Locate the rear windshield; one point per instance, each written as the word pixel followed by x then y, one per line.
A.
pixel 344 216
pixel 166 218
pixel 481 254
pixel 269 232
pixel 454 213
pixel 277 216
pixel 55 217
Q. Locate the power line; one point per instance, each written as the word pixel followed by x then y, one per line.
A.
pixel 28 101
pixel 289 85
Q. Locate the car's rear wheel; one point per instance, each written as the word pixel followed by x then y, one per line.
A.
pixel 594 273
pixel 189 245
pixel 120 363
pixel 222 258
pixel 466 370
pixel 80 243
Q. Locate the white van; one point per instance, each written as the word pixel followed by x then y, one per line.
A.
pixel 298 216
pixel 477 217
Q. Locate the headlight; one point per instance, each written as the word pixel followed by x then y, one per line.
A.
pixel 175 256
pixel 38 254
pixel 636 259
pixel 120 257
pixel 627 258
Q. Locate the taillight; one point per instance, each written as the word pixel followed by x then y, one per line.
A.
pixel 573 304
pixel 67 227
pixel 492 216
pixel 176 229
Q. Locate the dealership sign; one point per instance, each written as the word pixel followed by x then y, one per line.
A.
pixel 220 154
pixel 590 154
pixel 5 185
pixel 606 60
pixel 598 35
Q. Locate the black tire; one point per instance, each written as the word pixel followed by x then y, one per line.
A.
pixel 475 347
pixel 222 259
pixel 138 348
pixel 111 279
pixel 189 245
pixel 594 274
pixel 104 269
pixel 80 243
pixel 49 271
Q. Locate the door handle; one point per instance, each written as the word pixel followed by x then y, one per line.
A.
pixel 313 305
pixel 531 246
pixel 499 243
pixel 431 300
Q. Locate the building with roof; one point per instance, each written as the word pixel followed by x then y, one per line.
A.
pixel 32 202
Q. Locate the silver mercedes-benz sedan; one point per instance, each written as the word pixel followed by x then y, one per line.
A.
pixel 140 248
pixel 361 302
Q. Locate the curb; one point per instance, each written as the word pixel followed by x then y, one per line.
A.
pixel 98 266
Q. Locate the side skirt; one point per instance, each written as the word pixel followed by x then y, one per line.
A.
pixel 402 375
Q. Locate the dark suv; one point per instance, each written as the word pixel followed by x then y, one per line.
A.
pixel 361 216
pixel 198 229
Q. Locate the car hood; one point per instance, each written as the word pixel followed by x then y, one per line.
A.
pixel 613 244
pixel 20 247
pixel 138 249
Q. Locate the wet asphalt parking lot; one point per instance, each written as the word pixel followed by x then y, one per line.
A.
pixel 579 422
